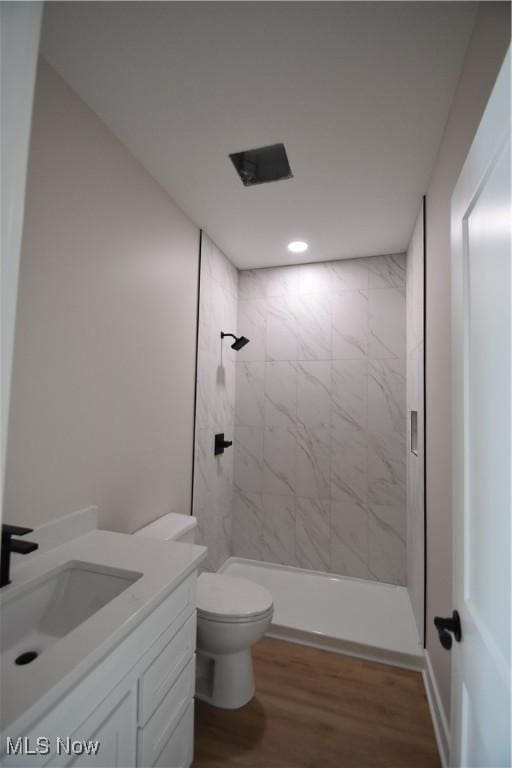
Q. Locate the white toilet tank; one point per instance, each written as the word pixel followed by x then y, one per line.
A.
pixel 171 527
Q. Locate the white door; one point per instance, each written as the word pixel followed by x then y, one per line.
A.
pixel 20 25
pixel 481 358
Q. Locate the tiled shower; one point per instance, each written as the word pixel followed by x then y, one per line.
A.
pixel 315 406
pixel 319 465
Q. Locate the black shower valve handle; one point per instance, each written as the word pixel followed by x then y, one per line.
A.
pixel 220 444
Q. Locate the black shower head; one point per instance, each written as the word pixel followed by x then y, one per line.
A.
pixel 239 341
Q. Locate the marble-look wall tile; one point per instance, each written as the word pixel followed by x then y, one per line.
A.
pixel 203 468
pixel 279 451
pixel 207 321
pixel 223 411
pixel 314 278
pixel 268 282
pixel 312 534
pixel 250 394
pixel 223 540
pixel 206 536
pixel 252 323
pixel 333 277
pixel 349 540
pixel 313 396
pixel 282 341
pixel 386 469
pixel 314 327
pixel 314 393
pixel 386 395
pixel 247 525
pixel 349 465
pixel 204 391
pixel 349 390
pixel 387 323
pixel 350 325
pixel 281 281
pixel 215 403
pixel 252 284
pixel 280 396
pixel 330 442
pixel 278 539
pixel 349 274
pixel 217 267
pixel 387 271
pixel 386 538
pixel 248 462
pixel 313 462
pixel 214 530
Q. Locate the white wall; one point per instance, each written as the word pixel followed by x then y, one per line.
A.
pixel 104 358
pixel 490 39
pixel 215 411
pixel 415 402
pixel 320 417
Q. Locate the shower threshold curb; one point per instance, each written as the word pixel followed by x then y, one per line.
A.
pixel 297 631
pixel 347 648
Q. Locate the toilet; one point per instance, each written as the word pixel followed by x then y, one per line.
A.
pixel 232 614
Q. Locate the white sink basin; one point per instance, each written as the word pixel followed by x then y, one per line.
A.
pixel 47 609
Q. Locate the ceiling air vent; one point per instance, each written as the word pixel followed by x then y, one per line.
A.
pixel 258 166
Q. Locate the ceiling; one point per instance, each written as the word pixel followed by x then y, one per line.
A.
pixel 359 93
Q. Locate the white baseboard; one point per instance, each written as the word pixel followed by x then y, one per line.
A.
pixel 439 721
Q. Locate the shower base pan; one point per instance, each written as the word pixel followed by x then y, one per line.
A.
pixel 337 613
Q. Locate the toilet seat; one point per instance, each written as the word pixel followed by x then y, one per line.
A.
pixel 234 619
pixel 229 599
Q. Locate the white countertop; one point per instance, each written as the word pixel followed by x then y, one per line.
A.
pixel 29 691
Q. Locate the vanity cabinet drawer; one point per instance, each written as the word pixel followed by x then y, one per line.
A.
pixel 157 734
pixel 157 679
pixel 111 726
pixel 179 750
pixel 173 612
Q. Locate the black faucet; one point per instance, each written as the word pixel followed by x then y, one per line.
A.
pixel 13 545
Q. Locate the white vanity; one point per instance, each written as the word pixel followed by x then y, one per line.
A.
pixel 121 674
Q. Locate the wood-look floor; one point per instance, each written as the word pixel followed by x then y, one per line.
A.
pixel 315 709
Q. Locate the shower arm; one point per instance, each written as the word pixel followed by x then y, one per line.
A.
pixel 222 335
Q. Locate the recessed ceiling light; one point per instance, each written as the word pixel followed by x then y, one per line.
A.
pixel 298 246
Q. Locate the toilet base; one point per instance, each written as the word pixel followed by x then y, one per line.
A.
pixel 225 680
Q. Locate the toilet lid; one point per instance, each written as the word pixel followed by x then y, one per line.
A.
pixel 230 597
